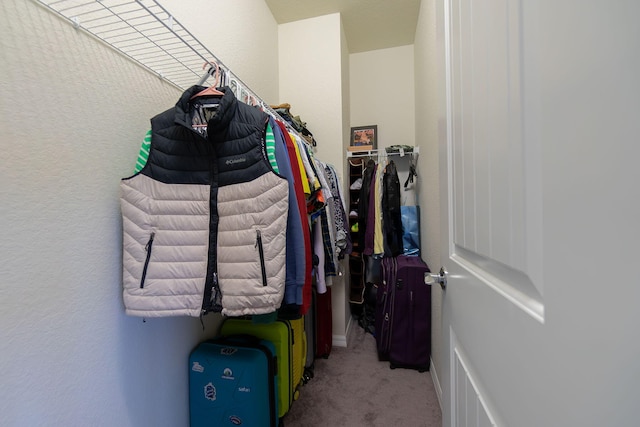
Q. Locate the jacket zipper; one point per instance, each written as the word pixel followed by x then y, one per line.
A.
pixel 261 252
pixel 146 261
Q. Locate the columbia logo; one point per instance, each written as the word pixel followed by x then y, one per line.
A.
pixel 234 161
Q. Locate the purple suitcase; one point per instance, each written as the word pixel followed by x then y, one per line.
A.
pixel 404 334
pixel 384 305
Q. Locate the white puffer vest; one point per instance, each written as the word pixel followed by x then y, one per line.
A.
pixel 204 222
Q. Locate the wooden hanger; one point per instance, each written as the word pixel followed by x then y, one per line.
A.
pixel 211 90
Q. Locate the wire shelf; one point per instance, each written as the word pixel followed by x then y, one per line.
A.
pixel 383 153
pixel 148 34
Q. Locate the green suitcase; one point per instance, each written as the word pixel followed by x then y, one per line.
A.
pixel 280 334
pixel 298 353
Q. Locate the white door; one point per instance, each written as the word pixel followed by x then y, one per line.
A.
pixel 540 188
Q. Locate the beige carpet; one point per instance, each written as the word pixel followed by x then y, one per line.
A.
pixel 352 388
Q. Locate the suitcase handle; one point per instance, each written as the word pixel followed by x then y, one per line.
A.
pixel 245 338
pixel 251 340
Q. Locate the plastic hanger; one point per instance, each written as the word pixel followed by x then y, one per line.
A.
pixel 211 90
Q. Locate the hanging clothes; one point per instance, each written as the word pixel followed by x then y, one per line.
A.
pixel 319 257
pixel 296 229
pixel 391 214
pixel 378 238
pixel 344 245
pixel 188 215
pixel 314 199
pixel 370 212
pixel 363 201
pixel 305 294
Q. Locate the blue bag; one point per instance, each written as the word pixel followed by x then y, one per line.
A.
pixel 410 230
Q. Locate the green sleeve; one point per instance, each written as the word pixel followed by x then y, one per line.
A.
pixel 143 156
pixel 271 148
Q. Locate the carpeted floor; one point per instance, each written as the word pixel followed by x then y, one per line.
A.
pixel 352 388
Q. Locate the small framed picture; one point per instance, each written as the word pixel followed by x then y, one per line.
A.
pixel 364 138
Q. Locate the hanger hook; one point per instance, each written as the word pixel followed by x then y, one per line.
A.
pixel 214 65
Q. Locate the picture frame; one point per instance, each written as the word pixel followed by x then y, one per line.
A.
pixel 364 138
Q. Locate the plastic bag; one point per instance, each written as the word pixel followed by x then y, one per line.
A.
pixel 410 230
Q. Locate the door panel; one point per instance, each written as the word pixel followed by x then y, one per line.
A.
pixel 471 409
pixel 537 123
pixel 487 193
pixel 488 167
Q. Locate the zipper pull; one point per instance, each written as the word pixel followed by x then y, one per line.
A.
pixel 258 238
pixel 150 242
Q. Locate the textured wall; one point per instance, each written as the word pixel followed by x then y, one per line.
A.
pixel 241 33
pixel 72 116
pixel 383 93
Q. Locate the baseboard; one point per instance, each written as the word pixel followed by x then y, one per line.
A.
pixel 339 340
pixel 436 383
pixel 342 340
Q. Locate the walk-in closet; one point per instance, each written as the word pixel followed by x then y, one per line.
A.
pixel 176 173
pixel 84 80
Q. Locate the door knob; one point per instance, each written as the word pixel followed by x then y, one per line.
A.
pixel 441 278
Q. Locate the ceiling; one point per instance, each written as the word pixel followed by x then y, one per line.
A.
pixel 368 24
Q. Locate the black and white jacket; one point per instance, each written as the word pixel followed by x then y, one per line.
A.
pixel 204 222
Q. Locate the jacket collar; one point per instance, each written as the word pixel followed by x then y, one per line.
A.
pixel 227 109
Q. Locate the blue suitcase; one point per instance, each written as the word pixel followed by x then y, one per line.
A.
pixel 232 381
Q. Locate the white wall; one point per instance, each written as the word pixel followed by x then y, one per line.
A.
pixel 72 116
pixel 240 33
pixel 346 120
pixel 426 82
pixel 383 93
pixel 311 52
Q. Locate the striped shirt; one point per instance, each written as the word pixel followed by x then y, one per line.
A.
pixel 143 155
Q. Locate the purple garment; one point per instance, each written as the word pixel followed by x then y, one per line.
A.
pixel 371 216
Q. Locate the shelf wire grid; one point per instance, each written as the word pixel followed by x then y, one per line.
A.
pixel 148 34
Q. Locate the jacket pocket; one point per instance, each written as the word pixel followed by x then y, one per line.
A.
pixel 263 268
pixel 148 248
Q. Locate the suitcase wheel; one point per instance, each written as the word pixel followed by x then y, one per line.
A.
pixel 308 375
pixel 296 394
